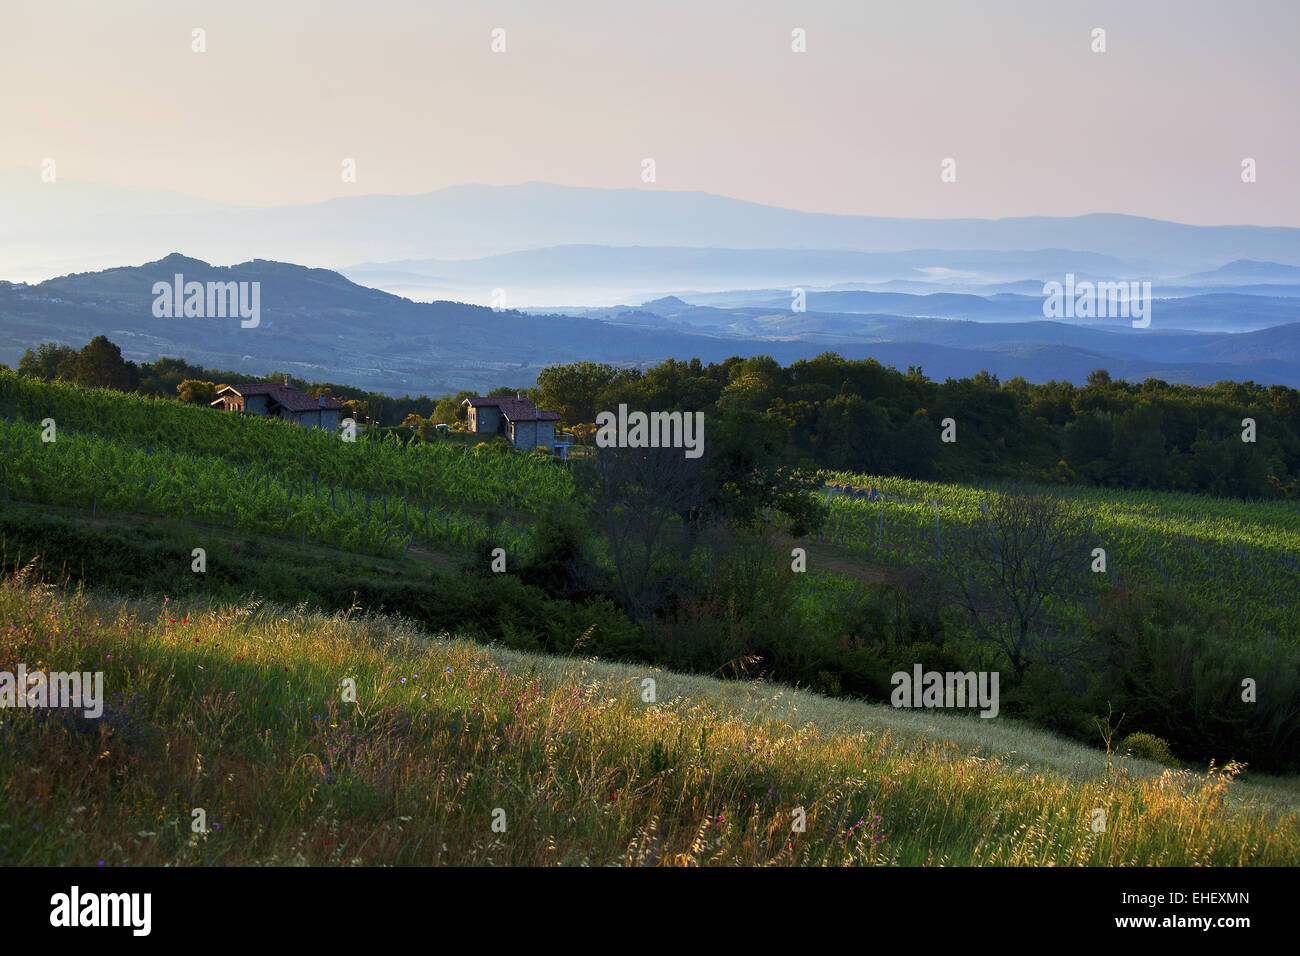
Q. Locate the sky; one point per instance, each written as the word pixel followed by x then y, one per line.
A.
pixel 1037 123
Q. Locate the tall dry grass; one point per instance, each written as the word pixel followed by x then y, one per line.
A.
pixel 238 711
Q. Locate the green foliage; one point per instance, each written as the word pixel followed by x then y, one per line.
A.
pixel 153 559
pixel 560 559
pixel 1051 698
pixel 1180 672
pixel 280 498
pixel 748 476
pixel 44 362
pixel 1149 746
pixel 859 416
pixel 576 391
pixel 1219 553
pixel 97 365
pixel 196 392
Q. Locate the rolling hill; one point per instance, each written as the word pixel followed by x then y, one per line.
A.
pixel 708 776
pixel 317 324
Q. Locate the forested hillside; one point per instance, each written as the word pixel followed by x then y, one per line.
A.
pixel 857 415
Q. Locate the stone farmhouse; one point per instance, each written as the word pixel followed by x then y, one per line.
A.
pixel 280 401
pixel 519 420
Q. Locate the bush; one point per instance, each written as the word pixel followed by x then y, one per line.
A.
pixel 1149 746
pixel 1178 671
pixel 1048 697
pixel 826 684
pixel 560 560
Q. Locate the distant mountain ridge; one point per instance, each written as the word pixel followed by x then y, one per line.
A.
pixel 1211 311
pixel 479 220
pixel 319 325
pixel 1249 270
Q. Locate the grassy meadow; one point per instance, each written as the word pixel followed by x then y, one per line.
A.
pixel 237 710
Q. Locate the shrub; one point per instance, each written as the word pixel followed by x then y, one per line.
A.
pixel 1149 746
pixel 827 684
pixel 1049 697
pixel 560 559
pixel 1178 670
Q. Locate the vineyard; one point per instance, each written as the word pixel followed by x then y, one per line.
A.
pixel 114 453
pixel 1243 557
pixel 120 453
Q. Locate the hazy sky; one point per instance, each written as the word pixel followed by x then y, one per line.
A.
pixel 1037 123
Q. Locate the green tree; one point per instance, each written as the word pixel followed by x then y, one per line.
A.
pixel 446 412
pixel 752 384
pixel 748 475
pixel 196 392
pixel 855 435
pixel 100 365
pixel 1138 447
pixel 1007 570
pixel 1087 443
pixel 44 362
pixel 574 391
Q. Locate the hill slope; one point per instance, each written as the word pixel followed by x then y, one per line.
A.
pixel 315 323
pixel 238 711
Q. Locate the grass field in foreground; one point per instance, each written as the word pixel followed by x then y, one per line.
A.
pixel 237 711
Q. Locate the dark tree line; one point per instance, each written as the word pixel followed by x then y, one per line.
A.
pixel 858 415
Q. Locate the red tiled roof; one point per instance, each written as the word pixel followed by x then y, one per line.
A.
pixel 291 398
pixel 515 409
